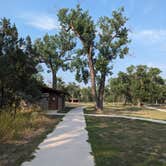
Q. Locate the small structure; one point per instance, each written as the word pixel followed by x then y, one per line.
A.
pixel 73 100
pixel 52 99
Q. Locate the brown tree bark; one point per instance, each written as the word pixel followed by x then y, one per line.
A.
pixel 2 96
pixel 101 92
pixel 91 67
pixel 92 77
pixel 54 80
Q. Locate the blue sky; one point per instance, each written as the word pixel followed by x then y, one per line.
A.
pixel 147 23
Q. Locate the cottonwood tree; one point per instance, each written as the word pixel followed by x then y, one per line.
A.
pixel 156 85
pixel 101 44
pixel 139 84
pixel 52 50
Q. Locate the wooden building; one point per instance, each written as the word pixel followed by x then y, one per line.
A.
pixel 52 99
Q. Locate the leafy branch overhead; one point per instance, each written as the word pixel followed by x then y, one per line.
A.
pixel 53 50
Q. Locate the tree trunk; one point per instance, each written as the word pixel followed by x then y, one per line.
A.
pixel 90 64
pixel 138 102
pixel 101 92
pixel 125 101
pixel 15 111
pixel 92 77
pixel 2 96
pixel 156 101
pixel 54 79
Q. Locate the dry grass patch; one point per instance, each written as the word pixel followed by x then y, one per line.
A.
pixel 80 104
pixel 19 137
pixel 128 110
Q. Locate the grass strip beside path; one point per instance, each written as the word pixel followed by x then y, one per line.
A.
pixel 123 142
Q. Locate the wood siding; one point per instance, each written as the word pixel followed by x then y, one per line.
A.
pixel 53 101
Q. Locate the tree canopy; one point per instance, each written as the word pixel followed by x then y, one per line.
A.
pixel 18 67
pixel 52 50
pixel 139 84
pixel 102 42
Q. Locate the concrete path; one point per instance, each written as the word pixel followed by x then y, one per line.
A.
pixel 128 117
pixel 154 108
pixel 67 145
pixel 120 116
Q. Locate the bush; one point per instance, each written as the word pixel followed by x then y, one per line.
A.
pixel 9 127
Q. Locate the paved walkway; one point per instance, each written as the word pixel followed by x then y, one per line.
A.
pixel 67 145
pixel 154 108
pixel 128 117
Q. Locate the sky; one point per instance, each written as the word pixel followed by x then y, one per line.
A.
pixel 147 24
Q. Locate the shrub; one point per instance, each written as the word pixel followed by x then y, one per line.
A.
pixel 13 128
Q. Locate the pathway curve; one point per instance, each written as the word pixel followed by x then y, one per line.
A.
pixel 66 145
pixel 154 108
pixel 128 117
pixel 122 116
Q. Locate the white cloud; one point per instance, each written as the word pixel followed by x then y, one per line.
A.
pixel 152 36
pixel 161 66
pixel 40 21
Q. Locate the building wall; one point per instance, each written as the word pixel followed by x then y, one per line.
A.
pixel 53 101
pixel 61 102
pixel 43 103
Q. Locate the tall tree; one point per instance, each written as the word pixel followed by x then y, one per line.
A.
pixel 52 51
pixel 101 44
pixel 18 67
pixel 156 84
pixel 139 84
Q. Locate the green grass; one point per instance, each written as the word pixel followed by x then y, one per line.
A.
pixel 122 142
pixel 20 137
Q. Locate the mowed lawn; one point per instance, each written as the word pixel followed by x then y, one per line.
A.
pixel 124 142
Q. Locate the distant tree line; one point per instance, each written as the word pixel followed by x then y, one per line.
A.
pixel 83 94
pixel 137 85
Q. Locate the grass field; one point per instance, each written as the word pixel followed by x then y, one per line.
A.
pixel 20 137
pixel 128 110
pixel 159 106
pixel 134 111
pixel 123 142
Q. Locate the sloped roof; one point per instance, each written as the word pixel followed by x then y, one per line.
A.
pixel 48 90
